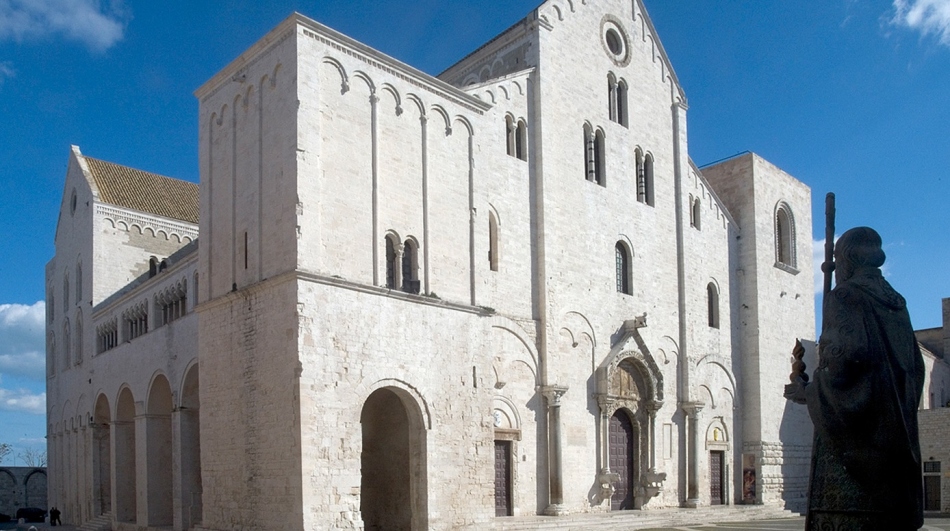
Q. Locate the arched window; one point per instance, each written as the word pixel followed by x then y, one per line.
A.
pixel 65 293
pixel 623 268
pixel 510 135
pixel 599 159
pixel 392 263
pixel 79 283
pixel 785 236
pixel 521 141
pixel 79 337
pixel 694 217
pixel 67 343
pixel 712 305
pixel 50 354
pixel 644 177
pixel 492 241
pixel 152 267
pixel 410 268
pixel 594 161
pixel 617 99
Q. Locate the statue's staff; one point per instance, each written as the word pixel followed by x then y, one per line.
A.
pixel 798 376
pixel 828 267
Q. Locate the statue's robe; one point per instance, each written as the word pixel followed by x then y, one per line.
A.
pixel 863 400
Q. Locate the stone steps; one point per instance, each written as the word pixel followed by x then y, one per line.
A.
pixel 628 520
pixel 102 522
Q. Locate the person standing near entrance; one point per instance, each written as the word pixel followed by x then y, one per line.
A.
pixel 54 517
pixel 863 400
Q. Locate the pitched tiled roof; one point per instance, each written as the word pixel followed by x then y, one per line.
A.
pixel 144 191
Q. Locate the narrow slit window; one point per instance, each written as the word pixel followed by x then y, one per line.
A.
pixel 410 265
pixel 492 241
pixel 622 257
pixel 712 302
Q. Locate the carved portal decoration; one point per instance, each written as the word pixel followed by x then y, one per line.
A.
pixel 630 380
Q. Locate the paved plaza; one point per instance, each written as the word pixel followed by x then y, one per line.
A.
pixel 784 524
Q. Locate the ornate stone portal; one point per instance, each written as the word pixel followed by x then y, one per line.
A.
pixel 630 382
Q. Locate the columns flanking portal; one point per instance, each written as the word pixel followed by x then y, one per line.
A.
pixel 692 410
pixel 553 394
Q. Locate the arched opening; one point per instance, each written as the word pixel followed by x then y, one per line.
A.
pixel 590 169
pixel 392 262
pixel 123 436
pixel 393 485
pixel 102 457
pixel 622 103
pixel 190 429
pixel 695 214
pixel 510 135
pixel 158 445
pixel 492 241
pixel 7 490
pixel 79 338
pixel 622 453
pixel 623 268
pixel 600 165
pixel 785 236
pixel 647 182
pixel 67 345
pixel 521 141
pixel 36 487
pixel 712 302
pixel 410 268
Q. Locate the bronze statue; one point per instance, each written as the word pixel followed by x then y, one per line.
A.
pixel 863 400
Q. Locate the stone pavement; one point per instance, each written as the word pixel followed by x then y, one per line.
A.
pixel 785 524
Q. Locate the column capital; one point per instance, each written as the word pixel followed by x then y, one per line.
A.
pixel 692 408
pixel 553 394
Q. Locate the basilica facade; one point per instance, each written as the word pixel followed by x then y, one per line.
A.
pixel 399 301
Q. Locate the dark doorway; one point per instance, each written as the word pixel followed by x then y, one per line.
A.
pixel 716 470
pixel 622 452
pixel 386 500
pixel 931 493
pixel 502 478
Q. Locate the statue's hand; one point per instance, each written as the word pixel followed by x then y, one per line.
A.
pixel 795 391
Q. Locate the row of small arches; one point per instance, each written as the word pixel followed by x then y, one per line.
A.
pixel 150 231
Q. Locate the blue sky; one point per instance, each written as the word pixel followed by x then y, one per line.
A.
pixel 850 96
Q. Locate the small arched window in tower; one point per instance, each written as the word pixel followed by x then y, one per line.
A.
pixel 392 263
pixel 492 241
pixel 410 268
pixel 67 345
pixel 621 93
pixel 695 211
pixel 521 140
pixel 785 236
pixel 79 338
pixel 712 303
pixel 612 97
pixel 622 257
pixel 65 293
pixel 600 169
pixel 590 171
pixel 510 135
pixel 79 283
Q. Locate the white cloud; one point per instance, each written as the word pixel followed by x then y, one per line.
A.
pixel 929 17
pixel 22 401
pixel 84 21
pixel 22 342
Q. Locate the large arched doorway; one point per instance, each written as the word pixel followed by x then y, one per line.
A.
pixel 393 484
pixel 190 450
pixel 123 436
pixel 35 488
pixel 623 451
pixel 158 430
pixel 102 456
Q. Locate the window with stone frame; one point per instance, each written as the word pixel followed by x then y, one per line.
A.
pixel 785 257
pixel 594 155
pixel 107 336
pixel 410 267
pixel 392 262
pixel 622 264
pixel 171 304
pixel 521 140
pixel 492 241
pixel 617 99
pixel 510 135
pixel 712 305
pixel 135 321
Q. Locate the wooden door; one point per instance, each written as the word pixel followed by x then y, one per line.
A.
pixel 621 453
pixel 931 493
pixel 502 478
pixel 716 477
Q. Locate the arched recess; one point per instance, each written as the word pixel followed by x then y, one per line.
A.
pixel 190 432
pixel 35 489
pixel 158 445
pixel 785 244
pixel 102 456
pixel 393 485
pixel 7 489
pixel 629 381
pixel 123 437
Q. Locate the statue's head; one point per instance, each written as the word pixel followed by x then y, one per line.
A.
pixel 856 249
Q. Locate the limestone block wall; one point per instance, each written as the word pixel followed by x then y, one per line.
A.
pixel 248 151
pixel 776 307
pixel 22 486
pixel 934 448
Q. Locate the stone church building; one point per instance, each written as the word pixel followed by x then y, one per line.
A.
pixel 399 301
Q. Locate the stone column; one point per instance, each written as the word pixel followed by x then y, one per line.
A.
pixel 553 394
pixel 692 410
